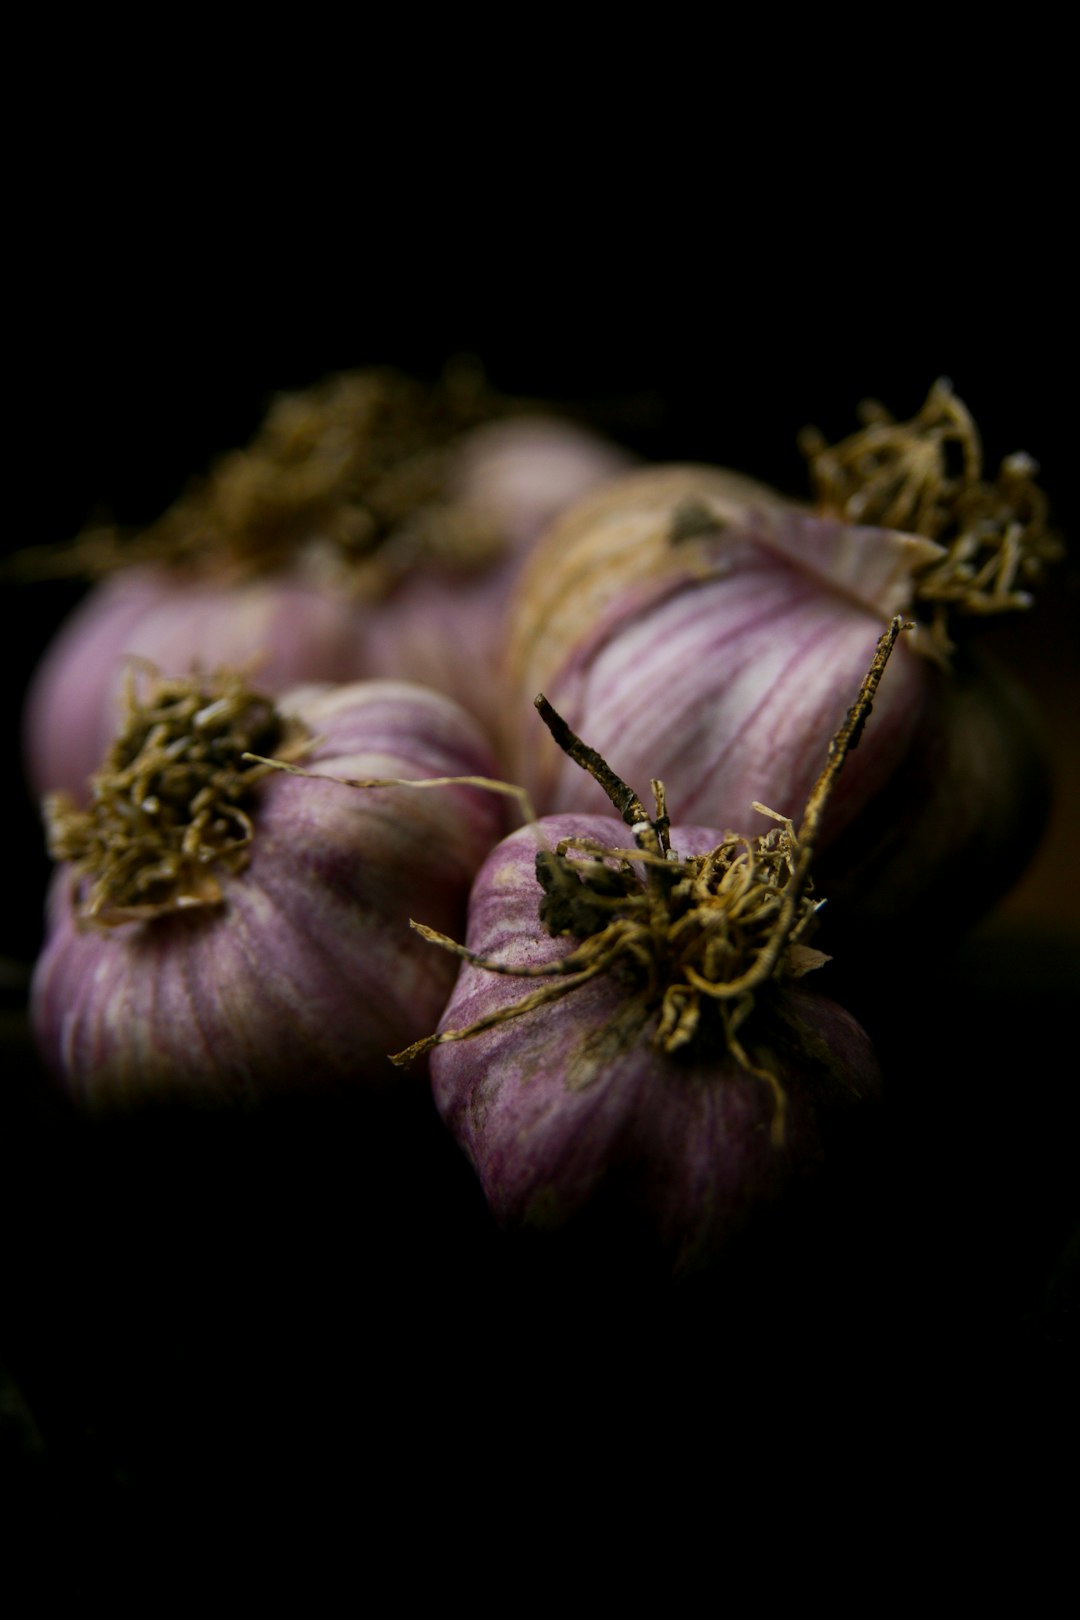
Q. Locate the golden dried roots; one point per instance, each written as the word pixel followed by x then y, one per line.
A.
pixel 925 477
pixel 168 809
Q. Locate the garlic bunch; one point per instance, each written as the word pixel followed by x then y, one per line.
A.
pixel 698 626
pixel 667 1068
pixel 372 528
pixel 217 931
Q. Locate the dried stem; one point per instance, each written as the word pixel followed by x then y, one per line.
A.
pixel 622 797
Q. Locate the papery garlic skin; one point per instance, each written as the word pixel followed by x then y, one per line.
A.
pixel 569 1111
pixel 702 629
pixel 308 974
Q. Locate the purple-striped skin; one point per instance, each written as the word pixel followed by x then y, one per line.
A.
pixel 308 975
pixel 570 1108
pixel 725 690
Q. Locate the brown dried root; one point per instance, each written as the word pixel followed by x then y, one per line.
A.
pixel 701 935
pixel 353 474
pixel 925 477
pixel 168 813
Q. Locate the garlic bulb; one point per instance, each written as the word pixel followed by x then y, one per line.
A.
pixel 667 1069
pixel 218 932
pixel 372 528
pixel 700 627
pixel 572 1109
pixel 445 628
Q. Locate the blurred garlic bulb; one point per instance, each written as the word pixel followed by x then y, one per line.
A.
pixel 373 527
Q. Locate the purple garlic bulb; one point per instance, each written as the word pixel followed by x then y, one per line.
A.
pixel 574 1111
pixel 630 1036
pixel 218 930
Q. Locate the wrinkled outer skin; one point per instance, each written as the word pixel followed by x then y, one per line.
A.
pixel 723 665
pixel 437 628
pixel 308 975
pixel 570 1108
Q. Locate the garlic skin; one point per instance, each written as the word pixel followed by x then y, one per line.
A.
pixel 436 624
pixel 569 1113
pixel 700 628
pixel 444 628
pixel 307 974
pixel 955 824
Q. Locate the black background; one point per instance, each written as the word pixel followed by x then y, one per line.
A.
pixel 311 1294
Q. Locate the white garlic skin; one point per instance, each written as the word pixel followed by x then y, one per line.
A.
pixel 308 974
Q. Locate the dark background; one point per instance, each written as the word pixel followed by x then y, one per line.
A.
pixel 220 1298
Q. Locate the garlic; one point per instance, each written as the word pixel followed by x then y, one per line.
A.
pixel 702 628
pixel 220 932
pixel 372 528
pixel 444 628
pixel 667 1068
